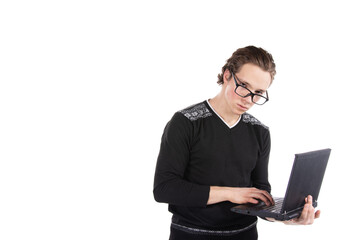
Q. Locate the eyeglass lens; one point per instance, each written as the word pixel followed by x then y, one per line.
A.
pixel 244 92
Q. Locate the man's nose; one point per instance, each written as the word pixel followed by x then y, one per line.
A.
pixel 248 99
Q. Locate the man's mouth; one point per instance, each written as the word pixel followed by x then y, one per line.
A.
pixel 242 107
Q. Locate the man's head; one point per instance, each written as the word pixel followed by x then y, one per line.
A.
pixel 249 54
pixel 245 79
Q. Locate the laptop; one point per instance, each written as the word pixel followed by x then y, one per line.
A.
pixel 305 179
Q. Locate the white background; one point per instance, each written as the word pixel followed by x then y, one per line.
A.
pixel 86 88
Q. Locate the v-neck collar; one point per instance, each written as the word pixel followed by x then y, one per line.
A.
pixel 230 127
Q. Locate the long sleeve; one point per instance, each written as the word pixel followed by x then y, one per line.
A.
pixel 169 183
pixel 259 175
pixel 199 150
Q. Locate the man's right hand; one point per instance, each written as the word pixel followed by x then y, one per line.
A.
pixel 239 195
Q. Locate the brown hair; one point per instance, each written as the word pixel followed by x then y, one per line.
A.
pixel 249 54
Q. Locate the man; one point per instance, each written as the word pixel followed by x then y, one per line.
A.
pixel 214 155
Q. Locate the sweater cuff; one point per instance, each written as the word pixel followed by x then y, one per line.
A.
pixel 199 196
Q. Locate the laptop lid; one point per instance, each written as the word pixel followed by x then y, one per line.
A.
pixel 306 178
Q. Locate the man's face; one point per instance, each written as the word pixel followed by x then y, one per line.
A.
pixel 250 76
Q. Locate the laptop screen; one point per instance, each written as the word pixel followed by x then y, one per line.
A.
pixel 306 178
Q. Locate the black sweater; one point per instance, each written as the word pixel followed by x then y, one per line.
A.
pixel 199 150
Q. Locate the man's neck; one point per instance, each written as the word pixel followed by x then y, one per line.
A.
pixel 220 106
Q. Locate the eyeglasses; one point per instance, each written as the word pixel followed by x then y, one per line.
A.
pixel 244 92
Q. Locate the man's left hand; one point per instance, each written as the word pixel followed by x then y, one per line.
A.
pixel 308 214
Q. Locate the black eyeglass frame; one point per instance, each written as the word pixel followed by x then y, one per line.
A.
pixel 250 92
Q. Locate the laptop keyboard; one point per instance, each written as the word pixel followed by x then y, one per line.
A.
pixel 275 208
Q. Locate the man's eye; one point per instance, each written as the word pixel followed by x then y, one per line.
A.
pixel 242 84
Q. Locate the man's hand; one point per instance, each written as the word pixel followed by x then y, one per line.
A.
pixel 307 217
pixel 308 214
pixel 250 195
pixel 239 195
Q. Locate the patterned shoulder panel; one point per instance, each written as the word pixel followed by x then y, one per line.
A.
pixel 248 118
pixel 196 111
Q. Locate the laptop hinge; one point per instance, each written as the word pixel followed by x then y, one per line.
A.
pixel 300 208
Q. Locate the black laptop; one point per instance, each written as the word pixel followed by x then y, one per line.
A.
pixel 306 177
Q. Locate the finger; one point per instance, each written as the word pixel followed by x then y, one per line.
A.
pixel 309 200
pixel 290 222
pixel 317 214
pixel 263 196
pixel 270 219
pixel 258 196
pixel 269 198
pixel 272 200
pixel 253 200
pixel 311 208
pixel 309 213
pixel 304 213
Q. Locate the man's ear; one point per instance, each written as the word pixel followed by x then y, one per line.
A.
pixel 227 76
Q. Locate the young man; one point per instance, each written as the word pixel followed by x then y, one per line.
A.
pixel 214 155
